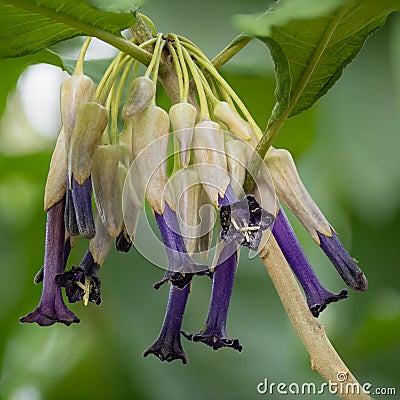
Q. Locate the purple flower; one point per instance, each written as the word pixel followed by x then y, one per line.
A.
pixel 243 221
pixel 51 307
pixel 214 333
pixel 347 268
pixel 168 345
pixel 82 282
pixel 181 267
pixel 67 249
pixel 317 296
pixel 78 209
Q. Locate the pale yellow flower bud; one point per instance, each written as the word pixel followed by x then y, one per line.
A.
pixel 210 157
pixel 207 222
pixel 292 192
pixel 90 123
pixel 150 133
pixel 143 91
pixel 56 178
pixel 237 155
pixel 186 188
pixel 104 181
pixel 183 118
pixel 226 114
pixel 75 91
pixel 100 245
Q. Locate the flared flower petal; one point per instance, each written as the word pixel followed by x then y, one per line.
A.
pixel 243 220
pixel 347 268
pixel 214 333
pixel 51 308
pixel 317 296
pixel 82 281
pixel 181 267
pixel 168 345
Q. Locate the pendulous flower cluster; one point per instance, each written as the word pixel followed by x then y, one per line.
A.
pixel 213 138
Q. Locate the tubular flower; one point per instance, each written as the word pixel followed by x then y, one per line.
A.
pixel 168 345
pixel 317 296
pixel 291 190
pixel 347 268
pixel 181 267
pixel 51 307
pixel 214 333
pixel 188 164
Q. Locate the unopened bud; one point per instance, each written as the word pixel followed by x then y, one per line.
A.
pixel 56 182
pixel 237 154
pixel 75 91
pixel 104 181
pixel 291 191
pixel 149 145
pixel 125 144
pixel 131 207
pixel 226 114
pixel 183 118
pixel 142 91
pixel 90 123
pixel 100 245
pixel 186 187
pixel 210 157
pixel 207 221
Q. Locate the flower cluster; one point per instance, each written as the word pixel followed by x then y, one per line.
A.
pixel 213 137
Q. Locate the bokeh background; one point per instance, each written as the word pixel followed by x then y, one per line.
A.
pixel 347 150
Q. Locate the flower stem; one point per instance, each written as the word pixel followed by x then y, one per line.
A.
pixel 324 358
pixel 200 89
pixel 116 101
pixel 81 57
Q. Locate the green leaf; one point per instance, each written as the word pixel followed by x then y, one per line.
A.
pixel 311 52
pixel 283 12
pixel 29 26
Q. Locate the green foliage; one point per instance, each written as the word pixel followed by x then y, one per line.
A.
pixel 311 47
pixel 29 26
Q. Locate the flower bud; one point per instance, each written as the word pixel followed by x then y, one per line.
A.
pixel 291 191
pixel 142 91
pixel 149 146
pixel 183 118
pixel 186 187
pixel 104 181
pixel 237 154
pixel 90 123
pixel 207 222
pixel 125 144
pixel 56 184
pixel 131 205
pixel 210 157
pixel 226 114
pixel 75 91
pixel 100 245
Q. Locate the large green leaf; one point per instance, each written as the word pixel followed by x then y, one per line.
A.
pixel 311 52
pixel 28 26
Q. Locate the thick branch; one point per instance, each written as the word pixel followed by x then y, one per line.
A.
pixel 324 358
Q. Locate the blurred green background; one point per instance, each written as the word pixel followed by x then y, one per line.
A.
pixel 347 150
